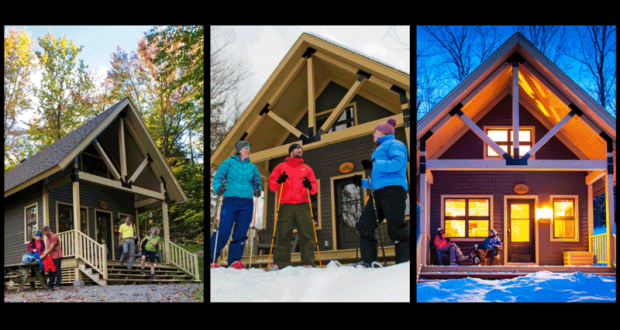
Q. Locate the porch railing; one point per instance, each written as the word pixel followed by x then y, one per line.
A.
pixel 93 253
pixel 183 259
pixel 598 245
pixel 87 249
pixel 421 254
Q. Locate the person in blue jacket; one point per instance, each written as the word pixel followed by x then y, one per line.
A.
pixel 242 182
pixel 490 246
pixel 389 184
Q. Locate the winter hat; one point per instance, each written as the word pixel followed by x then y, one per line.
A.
pixel 492 231
pixel 440 231
pixel 293 146
pixel 240 145
pixel 387 128
pixel 38 234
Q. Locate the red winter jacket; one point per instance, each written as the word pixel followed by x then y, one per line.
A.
pixel 49 264
pixel 439 243
pixel 293 190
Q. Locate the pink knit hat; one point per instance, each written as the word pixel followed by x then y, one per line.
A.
pixel 387 127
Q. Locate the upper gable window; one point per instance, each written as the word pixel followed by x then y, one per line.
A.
pixel 347 119
pixel 504 138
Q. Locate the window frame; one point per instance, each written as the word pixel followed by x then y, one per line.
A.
pixel 466 216
pixel 509 142
pixel 576 220
pixel 353 121
pixel 36 225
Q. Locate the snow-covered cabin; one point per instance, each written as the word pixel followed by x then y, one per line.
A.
pixel 328 98
pixel 534 188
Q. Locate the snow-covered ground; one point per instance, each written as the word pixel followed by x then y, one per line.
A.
pixel 538 287
pixel 331 283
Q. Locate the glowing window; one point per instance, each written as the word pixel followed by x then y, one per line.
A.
pixel 505 140
pixel 564 220
pixel 467 217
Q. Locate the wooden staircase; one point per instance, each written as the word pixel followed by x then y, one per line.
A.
pixel 164 274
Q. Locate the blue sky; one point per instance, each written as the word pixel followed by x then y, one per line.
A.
pixel 98 41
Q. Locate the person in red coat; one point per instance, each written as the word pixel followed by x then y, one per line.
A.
pixel 295 179
pixel 444 246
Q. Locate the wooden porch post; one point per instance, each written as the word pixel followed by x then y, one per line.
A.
pixel 76 214
pixel 164 211
pixel 515 109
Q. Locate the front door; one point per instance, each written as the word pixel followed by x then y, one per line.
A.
pixel 348 210
pixel 104 232
pixel 520 230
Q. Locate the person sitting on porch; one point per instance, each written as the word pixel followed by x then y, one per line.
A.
pixel 444 246
pixel 152 241
pixel 490 246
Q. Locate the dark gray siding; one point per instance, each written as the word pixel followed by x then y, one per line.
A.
pixel 14 246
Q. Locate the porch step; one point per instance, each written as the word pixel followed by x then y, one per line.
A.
pixel 164 273
pixel 503 272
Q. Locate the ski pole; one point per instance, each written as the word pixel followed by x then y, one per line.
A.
pixel 313 226
pixel 253 233
pixel 273 237
pixel 219 213
pixel 374 206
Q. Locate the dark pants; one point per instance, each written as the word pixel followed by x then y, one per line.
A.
pixel 391 202
pixel 56 276
pixel 294 216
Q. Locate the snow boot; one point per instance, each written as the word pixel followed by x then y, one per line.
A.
pixel 364 264
pixel 237 265
pixel 215 265
pixel 272 268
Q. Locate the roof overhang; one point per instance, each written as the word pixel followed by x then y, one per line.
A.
pixel 544 90
pixel 286 92
pixel 138 129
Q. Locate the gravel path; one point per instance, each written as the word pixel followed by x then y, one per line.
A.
pixel 110 293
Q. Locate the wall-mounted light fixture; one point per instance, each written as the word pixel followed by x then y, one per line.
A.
pixel 543 215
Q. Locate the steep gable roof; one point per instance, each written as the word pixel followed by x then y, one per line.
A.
pixel 286 91
pixel 61 153
pixel 544 90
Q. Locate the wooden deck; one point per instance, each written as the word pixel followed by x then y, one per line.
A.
pixel 343 256
pixel 430 273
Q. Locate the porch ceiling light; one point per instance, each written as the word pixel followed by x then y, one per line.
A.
pixel 543 215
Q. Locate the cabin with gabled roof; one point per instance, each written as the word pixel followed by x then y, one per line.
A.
pixel 534 188
pixel 328 98
pixel 83 186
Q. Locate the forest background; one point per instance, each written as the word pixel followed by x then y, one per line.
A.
pixel 163 77
pixel 446 55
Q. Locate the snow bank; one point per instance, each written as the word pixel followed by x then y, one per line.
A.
pixel 332 283
pixel 542 286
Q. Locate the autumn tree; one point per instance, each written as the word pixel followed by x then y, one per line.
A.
pixel 18 67
pixel 64 103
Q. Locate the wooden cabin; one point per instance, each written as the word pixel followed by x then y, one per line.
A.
pixel 534 188
pixel 83 186
pixel 329 99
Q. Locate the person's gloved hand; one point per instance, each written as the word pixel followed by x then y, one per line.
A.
pixel 282 177
pixel 221 190
pixel 357 180
pixel 257 192
pixel 307 183
pixel 367 164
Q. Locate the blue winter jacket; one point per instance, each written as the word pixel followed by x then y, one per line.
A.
pixel 489 242
pixel 242 178
pixel 389 164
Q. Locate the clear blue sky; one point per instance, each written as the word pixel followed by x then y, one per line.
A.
pixel 98 41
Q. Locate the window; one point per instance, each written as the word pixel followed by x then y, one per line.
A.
pixel 564 218
pixel 504 138
pixel 346 119
pixel 466 217
pixel 64 220
pixel 30 222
